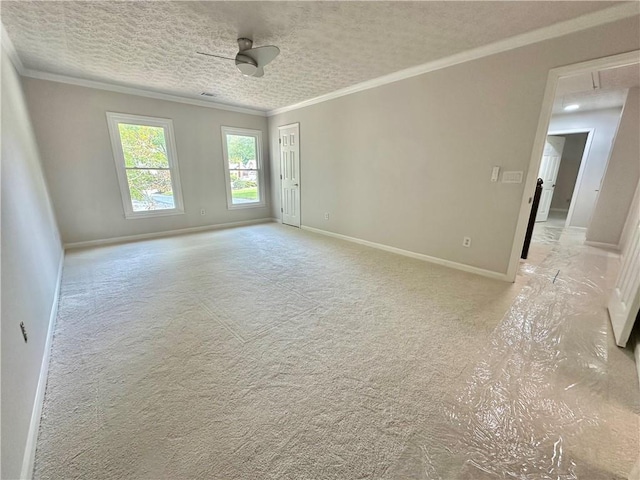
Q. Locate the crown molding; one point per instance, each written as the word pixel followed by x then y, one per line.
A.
pixel 584 22
pixel 577 24
pixel 53 77
pixel 8 47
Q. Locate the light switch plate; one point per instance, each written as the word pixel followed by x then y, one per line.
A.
pixel 512 177
pixel 495 173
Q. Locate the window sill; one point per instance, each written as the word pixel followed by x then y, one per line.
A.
pixel 240 206
pixel 153 213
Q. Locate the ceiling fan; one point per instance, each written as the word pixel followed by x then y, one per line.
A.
pixel 250 61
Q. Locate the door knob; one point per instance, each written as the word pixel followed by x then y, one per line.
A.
pixel 295 184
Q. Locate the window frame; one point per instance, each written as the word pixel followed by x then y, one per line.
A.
pixel 113 120
pixel 246 132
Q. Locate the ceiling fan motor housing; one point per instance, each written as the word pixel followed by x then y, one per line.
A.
pixel 247 65
pixel 250 61
pixel 244 44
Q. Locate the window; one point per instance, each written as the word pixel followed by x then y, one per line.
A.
pixel 146 162
pixel 243 167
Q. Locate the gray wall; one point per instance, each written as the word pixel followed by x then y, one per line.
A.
pixel 71 129
pixel 622 175
pixel 408 164
pixel 630 225
pixel 31 253
pixel 605 122
pixel 568 171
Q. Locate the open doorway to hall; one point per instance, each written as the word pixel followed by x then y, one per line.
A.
pixel 559 170
pixel 599 98
pixel 581 136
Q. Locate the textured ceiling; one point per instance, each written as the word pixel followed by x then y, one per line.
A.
pixel 612 91
pixel 324 46
pixel 596 100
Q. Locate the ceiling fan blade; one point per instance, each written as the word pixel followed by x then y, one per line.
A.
pixel 263 55
pixel 216 56
pixel 259 72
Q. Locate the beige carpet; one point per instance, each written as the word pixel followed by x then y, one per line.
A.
pixel 270 353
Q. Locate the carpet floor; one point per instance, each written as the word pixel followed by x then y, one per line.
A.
pixel 267 352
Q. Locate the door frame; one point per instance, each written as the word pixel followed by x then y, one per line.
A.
pixel 583 161
pixel 281 127
pixel 555 74
pixel 616 306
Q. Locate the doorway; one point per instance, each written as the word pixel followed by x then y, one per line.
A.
pixel 603 85
pixel 603 198
pixel 289 140
pixel 562 163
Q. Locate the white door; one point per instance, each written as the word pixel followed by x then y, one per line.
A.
pixel 290 173
pixel 549 173
pixel 625 299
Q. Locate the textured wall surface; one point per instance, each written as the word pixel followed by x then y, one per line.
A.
pixel 31 253
pixel 324 46
pixel 71 127
pixel 408 164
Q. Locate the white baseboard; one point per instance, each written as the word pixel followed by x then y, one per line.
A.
pixel 407 253
pixel 608 246
pixel 636 353
pixel 635 471
pixel 166 233
pixel 34 426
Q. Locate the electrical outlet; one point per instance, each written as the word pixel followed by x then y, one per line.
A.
pixel 326 216
pixel 466 242
pixel 202 211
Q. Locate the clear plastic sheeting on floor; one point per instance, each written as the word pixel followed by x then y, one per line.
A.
pixel 546 401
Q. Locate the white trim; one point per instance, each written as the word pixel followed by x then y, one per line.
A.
pixel 165 233
pixel 581 169
pixel 8 46
pixel 629 225
pixel 113 119
pixel 407 253
pixel 608 246
pixel 141 92
pixel 166 212
pixel 555 74
pixel 636 354
pixel 552 31
pixel 635 472
pixel 245 132
pixel 29 457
